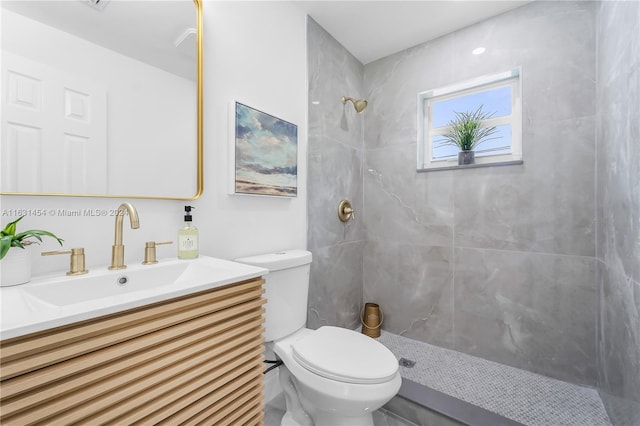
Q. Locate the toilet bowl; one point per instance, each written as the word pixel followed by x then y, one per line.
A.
pixel 331 376
pixel 335 376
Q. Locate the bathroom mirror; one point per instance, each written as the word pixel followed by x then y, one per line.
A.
pixel 103 98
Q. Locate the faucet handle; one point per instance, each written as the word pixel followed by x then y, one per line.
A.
pixel 76 261
pixel 345 211
pixel 150 251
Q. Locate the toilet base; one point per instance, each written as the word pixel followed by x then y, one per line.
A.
pixel 288 420
pixel 296 415
pixel 301 412
pixel 324 419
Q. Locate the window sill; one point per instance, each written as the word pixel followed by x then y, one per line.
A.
pixel 470 166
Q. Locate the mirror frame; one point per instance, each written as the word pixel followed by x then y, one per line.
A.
pixel 199 132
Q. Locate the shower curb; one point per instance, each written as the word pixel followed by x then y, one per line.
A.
pixel 452 407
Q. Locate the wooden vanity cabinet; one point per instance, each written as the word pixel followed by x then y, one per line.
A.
pixel 191 360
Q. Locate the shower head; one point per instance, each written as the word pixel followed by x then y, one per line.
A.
pixel 359 104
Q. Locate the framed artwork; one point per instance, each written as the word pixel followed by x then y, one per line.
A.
pixel 265 154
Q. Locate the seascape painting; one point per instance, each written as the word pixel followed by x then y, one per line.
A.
pixel 266 152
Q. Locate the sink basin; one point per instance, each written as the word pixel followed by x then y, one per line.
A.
pixel 120 284
pixel 48 302
pixel 65 291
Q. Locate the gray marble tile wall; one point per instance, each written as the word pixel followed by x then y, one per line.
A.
pixel 495 262
pixel 335 160
pixel 501 262
pixel 618 208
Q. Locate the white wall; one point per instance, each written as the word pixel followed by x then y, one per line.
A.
pixel 254 52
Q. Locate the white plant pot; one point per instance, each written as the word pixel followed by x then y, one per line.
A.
pixel 15 267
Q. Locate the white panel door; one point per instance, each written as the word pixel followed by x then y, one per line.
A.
pixel 54 130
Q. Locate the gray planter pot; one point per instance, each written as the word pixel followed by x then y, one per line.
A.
pixel 466 157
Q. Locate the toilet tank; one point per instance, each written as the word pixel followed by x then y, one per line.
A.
pixel 286 290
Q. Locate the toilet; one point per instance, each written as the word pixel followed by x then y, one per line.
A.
pixel 331 376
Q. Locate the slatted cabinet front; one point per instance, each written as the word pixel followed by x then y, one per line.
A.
pixel 191 360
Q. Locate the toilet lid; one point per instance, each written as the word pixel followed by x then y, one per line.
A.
pixel 346 356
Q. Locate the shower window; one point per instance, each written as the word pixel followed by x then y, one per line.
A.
pixel 498 95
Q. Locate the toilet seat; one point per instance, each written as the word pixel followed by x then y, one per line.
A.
pixel 346 356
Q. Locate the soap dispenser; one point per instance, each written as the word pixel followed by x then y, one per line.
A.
pixel 188 237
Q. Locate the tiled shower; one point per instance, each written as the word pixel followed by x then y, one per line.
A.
pixel 534 266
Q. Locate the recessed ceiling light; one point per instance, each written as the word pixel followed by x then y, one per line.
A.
pixel 478 50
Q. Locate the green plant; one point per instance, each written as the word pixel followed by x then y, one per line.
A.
pixel 9 238
pixel 467 131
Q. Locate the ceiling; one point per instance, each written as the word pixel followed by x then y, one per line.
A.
pixel 138 29
pixel 368 29
pixel 371 30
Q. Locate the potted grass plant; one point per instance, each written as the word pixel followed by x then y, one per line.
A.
pixel 467 132
pixel 15 261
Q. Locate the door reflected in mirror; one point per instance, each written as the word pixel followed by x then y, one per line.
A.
pixel 101 99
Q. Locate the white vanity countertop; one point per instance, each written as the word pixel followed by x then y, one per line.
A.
pixel 54 300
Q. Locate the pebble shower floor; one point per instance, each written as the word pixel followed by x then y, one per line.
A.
pixel 519 395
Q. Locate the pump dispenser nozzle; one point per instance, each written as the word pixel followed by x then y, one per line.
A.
pixel 187 216
pixel 188 237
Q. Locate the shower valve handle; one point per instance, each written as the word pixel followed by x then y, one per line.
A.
pixel 345 211
pixel 351 212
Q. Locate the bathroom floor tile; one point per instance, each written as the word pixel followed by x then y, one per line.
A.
pixel 383 417
pixel 520 395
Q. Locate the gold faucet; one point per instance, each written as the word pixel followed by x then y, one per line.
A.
pixel 117 251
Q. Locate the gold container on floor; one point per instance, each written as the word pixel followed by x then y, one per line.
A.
pixel 371 317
